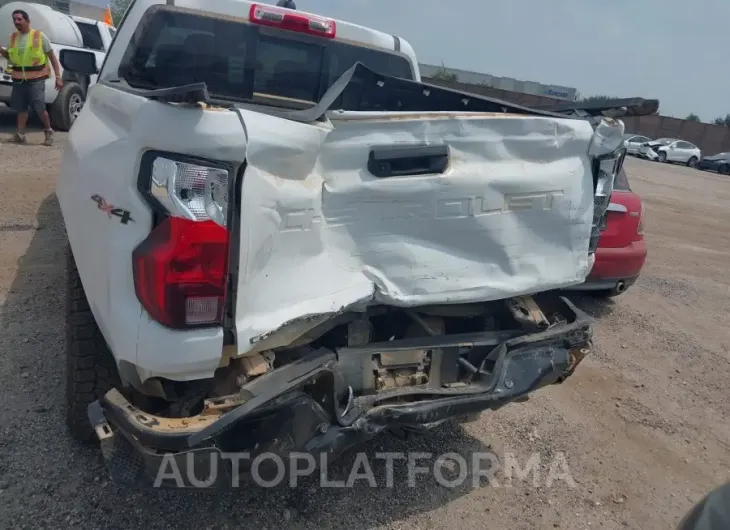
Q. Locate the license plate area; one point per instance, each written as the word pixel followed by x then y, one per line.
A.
pixel 433 362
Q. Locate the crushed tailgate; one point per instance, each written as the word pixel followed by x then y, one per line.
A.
pixel 404 210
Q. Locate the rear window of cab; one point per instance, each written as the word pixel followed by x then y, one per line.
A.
pixel 239 61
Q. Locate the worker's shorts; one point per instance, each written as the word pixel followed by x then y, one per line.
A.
pixel 29 95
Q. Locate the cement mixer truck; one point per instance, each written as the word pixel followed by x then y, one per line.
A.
pixel 64 32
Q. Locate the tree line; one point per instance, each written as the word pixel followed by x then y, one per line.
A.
pixel 722 120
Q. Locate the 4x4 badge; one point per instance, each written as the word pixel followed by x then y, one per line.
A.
pixel 124 215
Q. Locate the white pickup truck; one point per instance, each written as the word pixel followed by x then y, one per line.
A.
pixel 64 32
pixel 281 240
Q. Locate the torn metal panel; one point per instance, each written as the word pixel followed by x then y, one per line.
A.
pixel 621 106
pixel 361 89
pixel 608 136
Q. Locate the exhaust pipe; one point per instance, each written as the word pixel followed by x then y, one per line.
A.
pixel 620 286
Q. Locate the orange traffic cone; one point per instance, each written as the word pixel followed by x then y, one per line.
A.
pixel 108 16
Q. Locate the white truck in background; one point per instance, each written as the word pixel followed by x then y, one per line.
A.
pixel 281 240
pixel 64 32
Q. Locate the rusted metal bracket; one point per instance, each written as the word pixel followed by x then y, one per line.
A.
pixel 525 310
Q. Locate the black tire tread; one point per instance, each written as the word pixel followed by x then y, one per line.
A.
pixel 90 368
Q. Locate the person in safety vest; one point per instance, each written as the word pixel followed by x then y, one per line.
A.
pixel 29 53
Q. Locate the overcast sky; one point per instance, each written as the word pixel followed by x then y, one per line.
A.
pixel 678 52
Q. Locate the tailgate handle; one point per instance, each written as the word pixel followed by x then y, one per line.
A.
pixel 408 160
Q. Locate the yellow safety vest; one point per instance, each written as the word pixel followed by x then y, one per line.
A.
pixel 32 63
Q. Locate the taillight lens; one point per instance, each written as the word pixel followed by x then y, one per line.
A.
pixel 189 190
pixel 181 269
pixel 640 228
pixel 180 272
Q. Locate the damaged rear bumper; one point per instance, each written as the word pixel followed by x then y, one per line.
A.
pixel 312 407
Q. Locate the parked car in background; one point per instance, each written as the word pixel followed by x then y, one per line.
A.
pixel 679 152
pixel 719 162
pixel 648 150
pixel 621 251
pixel 633 143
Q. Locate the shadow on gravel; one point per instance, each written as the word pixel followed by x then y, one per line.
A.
pixel 8 117
pixel 48 480
pixel 595 306
pixel 8 120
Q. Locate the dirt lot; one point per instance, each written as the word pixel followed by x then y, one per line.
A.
pixel 643 423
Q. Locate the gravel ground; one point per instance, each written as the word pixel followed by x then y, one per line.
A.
pixel 642 424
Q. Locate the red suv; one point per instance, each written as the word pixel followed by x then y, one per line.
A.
pixel 621 251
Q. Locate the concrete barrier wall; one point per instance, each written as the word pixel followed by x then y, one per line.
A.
pixel 709 138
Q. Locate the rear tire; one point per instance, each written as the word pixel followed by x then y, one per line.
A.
pixel 692 162
pixel 65 109
pixel 724 169
pixel 90 368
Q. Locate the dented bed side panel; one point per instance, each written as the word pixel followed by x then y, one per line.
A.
pixel 510 215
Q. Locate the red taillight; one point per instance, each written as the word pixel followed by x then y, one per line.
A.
pixel 181 272
pixel 640 228
pixel 276 17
